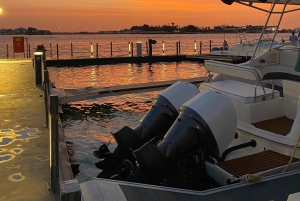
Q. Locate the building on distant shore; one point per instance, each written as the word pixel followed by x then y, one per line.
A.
pixel 24 31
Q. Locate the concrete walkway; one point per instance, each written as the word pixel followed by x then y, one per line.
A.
pixel 24 141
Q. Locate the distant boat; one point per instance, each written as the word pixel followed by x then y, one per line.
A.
pixel 245 48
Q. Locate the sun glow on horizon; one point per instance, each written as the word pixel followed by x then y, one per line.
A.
pixel 121 14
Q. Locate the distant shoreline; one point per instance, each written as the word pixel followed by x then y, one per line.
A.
pixel 212 32
pixel 139 33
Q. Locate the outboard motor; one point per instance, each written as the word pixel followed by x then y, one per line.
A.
pixel 152 127
pixel 205 127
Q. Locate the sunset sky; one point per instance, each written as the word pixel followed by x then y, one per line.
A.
pixel 93 15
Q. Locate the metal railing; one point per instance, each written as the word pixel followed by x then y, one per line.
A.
pixel 98 50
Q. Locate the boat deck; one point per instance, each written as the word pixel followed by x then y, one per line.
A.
pixel 280 125
pixel 255 163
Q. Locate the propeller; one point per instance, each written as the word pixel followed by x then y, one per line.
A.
pixel 102 152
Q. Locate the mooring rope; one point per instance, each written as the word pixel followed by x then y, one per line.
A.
pixel 292 156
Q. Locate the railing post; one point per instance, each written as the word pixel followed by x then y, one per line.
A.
pixel 200 47
pixel 177 48
pixel 51 50
pixel 46 96
pixel 29 50
pixel 111 49
pixel 57 57
pixel 54 149
pixel 97 50
pixel 147 47
pixel 71 50
pixel 131 49
pixel 195 47
pixel 209 45
pixel 7 54
pixel 27 47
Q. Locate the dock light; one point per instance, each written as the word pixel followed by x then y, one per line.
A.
pixel 195 47
pixel 92 50
pixel 38 53
pixel 163 47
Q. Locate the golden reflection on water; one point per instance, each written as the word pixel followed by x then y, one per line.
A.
pixel 122 74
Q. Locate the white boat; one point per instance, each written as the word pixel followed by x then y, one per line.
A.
pixel 240 130
pixel 244 49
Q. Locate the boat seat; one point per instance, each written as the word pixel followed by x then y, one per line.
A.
pixel 239 91
pixel 241 71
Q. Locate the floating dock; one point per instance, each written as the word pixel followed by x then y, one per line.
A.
pixel 143 59
pixel 79 94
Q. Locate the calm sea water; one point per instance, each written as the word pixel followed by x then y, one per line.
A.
pixel 89 123
pixel 81 43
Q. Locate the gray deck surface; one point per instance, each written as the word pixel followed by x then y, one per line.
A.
pixel 24 156
pixel 272 188
pixel 278 189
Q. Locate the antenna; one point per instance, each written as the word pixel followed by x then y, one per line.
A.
pixel 256 32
